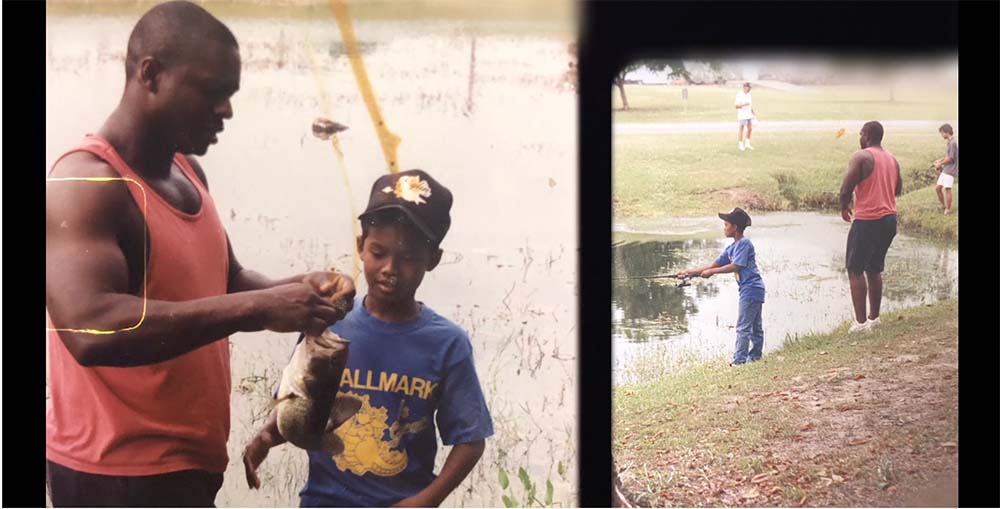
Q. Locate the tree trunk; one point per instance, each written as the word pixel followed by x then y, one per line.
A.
pixel 621 90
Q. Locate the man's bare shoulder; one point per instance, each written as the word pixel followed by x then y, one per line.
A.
pixel 71 194
pixel 82 164
pixel 862 155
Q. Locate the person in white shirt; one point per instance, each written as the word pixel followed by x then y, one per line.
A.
pixel 745 115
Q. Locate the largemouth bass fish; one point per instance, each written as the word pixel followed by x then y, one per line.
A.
pixel 309 406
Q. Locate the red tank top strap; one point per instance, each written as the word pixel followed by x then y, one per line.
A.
pixel 97 146
pixel 106 152
pixel 103 149
pixel 185 166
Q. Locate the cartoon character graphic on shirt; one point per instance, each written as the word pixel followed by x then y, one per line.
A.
pixel 371 444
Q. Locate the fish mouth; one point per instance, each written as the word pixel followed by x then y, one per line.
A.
pixel 329 339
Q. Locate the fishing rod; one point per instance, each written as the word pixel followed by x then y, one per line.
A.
pixel 684 281
pixel 661 276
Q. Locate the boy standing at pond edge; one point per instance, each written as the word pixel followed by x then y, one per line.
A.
pixel 740 258
pixel 411 367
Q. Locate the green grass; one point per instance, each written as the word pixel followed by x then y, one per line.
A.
pixel 711 103
pixel 715 417
pixel 695 174
pixel 920 212
pixel 682 174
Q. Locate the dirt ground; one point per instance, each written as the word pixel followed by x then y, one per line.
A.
pixel 879 431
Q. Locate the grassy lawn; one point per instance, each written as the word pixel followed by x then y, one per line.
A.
pixel 711 103
pixel 684 175
pixel 920 212
pixel 828 420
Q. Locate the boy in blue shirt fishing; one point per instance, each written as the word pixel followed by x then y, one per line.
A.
pixel 409 366
pixel 741 259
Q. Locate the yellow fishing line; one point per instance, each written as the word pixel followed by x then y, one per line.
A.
pixel 335 142
pixel 389 140
pixel 144 254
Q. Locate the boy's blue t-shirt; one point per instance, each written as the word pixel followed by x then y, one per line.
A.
pixel 409 376
pixel 748 278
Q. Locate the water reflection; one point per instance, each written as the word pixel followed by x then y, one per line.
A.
pixel 656 324
pixel 653 307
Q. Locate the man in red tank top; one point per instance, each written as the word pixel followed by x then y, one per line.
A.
pixel 874 180
pixel 142 287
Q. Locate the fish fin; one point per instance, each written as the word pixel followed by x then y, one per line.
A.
pixel 274 402
pixel 344 407
pixel 332 444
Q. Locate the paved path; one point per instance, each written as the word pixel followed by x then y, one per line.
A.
pixel 852 126
pixel 779 85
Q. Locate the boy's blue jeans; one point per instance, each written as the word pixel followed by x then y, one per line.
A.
pixel 749 329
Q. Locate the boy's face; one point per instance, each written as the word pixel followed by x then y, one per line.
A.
pixel 395 259
pixel 944 134
pixel 729 228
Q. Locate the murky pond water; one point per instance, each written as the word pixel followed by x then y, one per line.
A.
pixel 658 325
pixel 499 132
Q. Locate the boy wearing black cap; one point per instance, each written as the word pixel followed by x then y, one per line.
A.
pixel 741 259
pixel 408 365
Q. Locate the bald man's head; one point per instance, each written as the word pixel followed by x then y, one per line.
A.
pixel 871 134
pixel 182 68
pixel 174 32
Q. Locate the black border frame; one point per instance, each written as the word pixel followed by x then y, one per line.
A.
pixel 615 33
pixel 611 34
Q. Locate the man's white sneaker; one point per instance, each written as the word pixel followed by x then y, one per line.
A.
pixel 872 323
pixel 741 147
pixel 858 327
pixel 748 145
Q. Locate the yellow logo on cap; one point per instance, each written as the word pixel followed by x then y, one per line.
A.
pixel 410 188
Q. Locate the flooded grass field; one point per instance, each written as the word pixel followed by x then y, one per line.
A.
pixel 484 106
pixel 658 326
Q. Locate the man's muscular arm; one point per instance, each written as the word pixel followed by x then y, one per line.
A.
pixel 855 174
pixel 86 285
pixel 330 285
